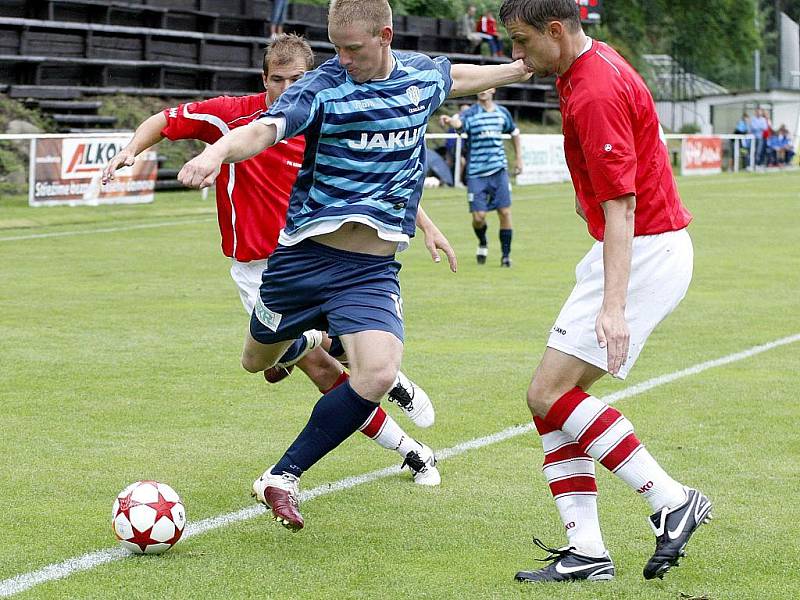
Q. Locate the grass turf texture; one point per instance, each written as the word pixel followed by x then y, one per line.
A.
pixel 119 362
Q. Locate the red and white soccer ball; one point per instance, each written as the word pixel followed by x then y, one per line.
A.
pixel 148 517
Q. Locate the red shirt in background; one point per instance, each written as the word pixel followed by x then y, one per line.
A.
pixel 486 24
pixel 253 195
pixel 614 143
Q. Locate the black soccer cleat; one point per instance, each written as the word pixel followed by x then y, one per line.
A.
pixel 673 528
pixel 568 565
pixel 505 261
pixel 481 254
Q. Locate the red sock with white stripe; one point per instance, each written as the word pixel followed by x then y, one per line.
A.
pixel 607 436
pixel 570 473
pixel 382 428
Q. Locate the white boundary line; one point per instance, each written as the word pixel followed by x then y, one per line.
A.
pixel 34 236
pixel 25 581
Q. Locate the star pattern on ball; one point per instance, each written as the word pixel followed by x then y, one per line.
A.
pixel 162 506
pixel 141 538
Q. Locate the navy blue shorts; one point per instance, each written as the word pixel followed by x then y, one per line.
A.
pixel 490 192
pixel 313 286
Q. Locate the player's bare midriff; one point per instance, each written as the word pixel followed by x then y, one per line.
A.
pixel 356 237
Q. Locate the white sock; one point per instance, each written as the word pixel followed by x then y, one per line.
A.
pixel 385 431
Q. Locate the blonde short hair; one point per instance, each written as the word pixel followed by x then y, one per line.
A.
pixel 374 14
pixel 285 49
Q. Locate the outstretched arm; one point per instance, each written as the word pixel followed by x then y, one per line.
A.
pixel 146 135
pixel 435 240
pixel 471 79
pixel 240 144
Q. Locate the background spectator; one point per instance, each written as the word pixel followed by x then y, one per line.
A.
pixel 487 27
pixel 466 29
pixel 781 145
pixel 743 128
pixel 758 125
pixel 278 17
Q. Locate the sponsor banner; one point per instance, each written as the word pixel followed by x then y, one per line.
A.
pixel 543 159
pixel 701 155
pixel 66 172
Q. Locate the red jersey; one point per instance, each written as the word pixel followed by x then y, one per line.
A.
pixel 614 144
pixel 486 24
pixel 253 195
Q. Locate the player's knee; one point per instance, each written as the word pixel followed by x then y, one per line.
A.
pixel 384 379
pixel 252 363
pixel 374 384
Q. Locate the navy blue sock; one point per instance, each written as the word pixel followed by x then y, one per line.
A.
pixel 294 350
pixel 505 241
pixel 480 232
pixel 337 415
pixel 337 349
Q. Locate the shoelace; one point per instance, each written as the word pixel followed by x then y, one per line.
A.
pixel 292 491
pixel 400 395
pixel 414 462
pixel 554 553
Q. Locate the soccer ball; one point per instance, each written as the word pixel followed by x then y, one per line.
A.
pixel 148 517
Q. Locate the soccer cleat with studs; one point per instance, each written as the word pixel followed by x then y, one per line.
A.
pixel 673 528
pixel 422 464
pixel 481 254
pixel 568 565
pixel 281 494
pixel 413 400
pixel 505 261
pixel 276 373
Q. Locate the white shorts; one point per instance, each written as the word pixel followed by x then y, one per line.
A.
pixel 247 276
pixel 661 269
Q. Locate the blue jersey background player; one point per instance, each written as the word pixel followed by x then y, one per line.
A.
pixel 354 204
pixel 488 185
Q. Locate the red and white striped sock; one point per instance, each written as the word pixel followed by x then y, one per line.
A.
pixel 570 473
pixel 606 435
pixel 384 429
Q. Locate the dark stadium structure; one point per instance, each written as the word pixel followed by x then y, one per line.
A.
pixel 55 53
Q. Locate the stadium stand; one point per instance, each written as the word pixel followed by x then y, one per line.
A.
pixel 55 53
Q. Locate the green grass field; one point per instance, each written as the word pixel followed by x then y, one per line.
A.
pixel 119 344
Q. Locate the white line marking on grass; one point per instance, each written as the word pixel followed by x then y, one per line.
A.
pixel 25 581
pixel 35 236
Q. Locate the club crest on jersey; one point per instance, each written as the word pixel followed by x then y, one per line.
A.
pixel 407 138
pixel 414 94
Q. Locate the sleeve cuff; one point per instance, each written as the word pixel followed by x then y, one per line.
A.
pixel 280 125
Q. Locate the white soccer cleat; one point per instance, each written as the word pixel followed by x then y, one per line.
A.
pixel 413 400
pixel 422 464
pixel 280 493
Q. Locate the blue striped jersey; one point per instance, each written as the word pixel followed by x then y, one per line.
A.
pixel 486 151
pixel 365 146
